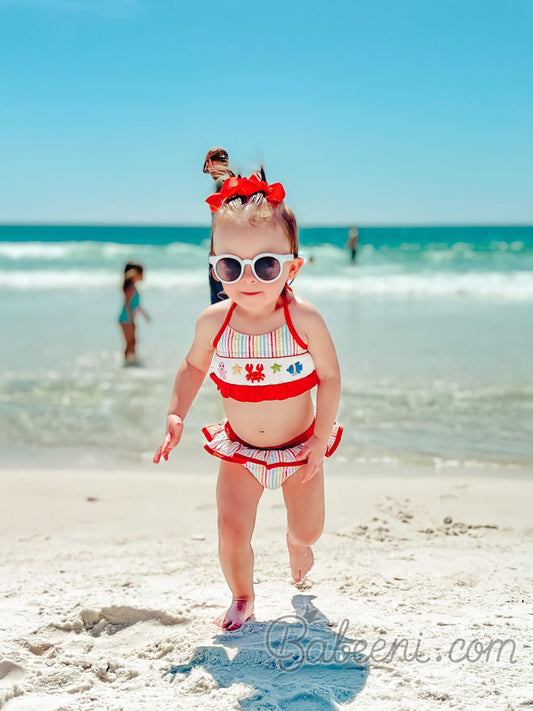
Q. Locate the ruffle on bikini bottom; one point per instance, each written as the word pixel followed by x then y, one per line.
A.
pixel 269 466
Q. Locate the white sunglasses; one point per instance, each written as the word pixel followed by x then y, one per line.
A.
pixel 266 267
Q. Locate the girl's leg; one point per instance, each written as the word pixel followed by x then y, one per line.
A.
pixel 305 519
pixel 238 494
pixel 131 342
pixel 128 329
pixel 124 327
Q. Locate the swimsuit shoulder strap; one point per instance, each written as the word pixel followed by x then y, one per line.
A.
pixel 226 322
pixel 290 324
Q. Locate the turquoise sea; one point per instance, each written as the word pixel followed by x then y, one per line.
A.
pixel 433 326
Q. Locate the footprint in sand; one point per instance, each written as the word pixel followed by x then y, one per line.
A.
pixel 9 671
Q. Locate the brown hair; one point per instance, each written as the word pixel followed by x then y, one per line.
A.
pixel 256 210
pixel 130 270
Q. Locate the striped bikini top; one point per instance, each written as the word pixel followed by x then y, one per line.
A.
pixel 270 366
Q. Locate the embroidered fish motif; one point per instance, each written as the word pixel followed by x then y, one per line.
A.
pixel 295 368
pixel 276 367
pixel 256 375
pixel 237 369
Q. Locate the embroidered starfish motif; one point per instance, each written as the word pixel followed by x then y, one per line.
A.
pixel 276 367
pixel 237 369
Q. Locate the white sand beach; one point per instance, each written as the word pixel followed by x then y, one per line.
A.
pixel 109 582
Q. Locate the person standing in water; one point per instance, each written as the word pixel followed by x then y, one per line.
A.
pixel 353 240
pixel 217 165
pixel 133 272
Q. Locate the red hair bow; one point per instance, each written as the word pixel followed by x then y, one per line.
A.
pixel 245 187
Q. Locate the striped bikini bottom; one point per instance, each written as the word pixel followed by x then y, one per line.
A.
pixel 271 467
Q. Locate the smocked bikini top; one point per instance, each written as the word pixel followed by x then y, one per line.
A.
pixel 271 366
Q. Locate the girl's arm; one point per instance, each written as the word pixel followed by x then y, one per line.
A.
pixel 328 392
pixel 189 377
pixel 144 313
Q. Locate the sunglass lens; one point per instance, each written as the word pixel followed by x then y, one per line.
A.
pixel 228 269
pixel 267 268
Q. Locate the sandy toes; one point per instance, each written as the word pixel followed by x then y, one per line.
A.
pixel 238 612
pixel 301 559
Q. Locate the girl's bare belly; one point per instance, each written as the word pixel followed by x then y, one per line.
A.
pixel 271 423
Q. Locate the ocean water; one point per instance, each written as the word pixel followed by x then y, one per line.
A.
pixel 433 328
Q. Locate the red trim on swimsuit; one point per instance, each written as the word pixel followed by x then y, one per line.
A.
pixel 242 459
pixel 300 439
pixel 226 321
pixel 290 324
pixel 259 393
pixel 336 442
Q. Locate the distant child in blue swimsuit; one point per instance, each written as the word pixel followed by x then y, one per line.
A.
pixel 133 273
pixel 265 350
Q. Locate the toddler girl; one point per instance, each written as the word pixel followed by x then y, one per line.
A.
pixel 265 350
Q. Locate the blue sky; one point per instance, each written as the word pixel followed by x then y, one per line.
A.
pixel 382 112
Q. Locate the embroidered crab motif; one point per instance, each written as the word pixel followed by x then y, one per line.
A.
pixel 222 371
pixel 276 367
pixel 295 368
pixel 256 375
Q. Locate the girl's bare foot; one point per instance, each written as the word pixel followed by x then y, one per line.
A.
pixel 240 610
pixel 301 558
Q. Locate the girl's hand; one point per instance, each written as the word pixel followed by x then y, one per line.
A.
pixel 314 449
pixel 172 438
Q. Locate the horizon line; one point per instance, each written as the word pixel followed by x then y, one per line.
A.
pixel 170 225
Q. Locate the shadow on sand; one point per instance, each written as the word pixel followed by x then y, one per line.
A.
pixel 294 663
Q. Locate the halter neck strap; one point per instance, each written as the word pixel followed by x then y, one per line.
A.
pixel 288 319
pixel 223 327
